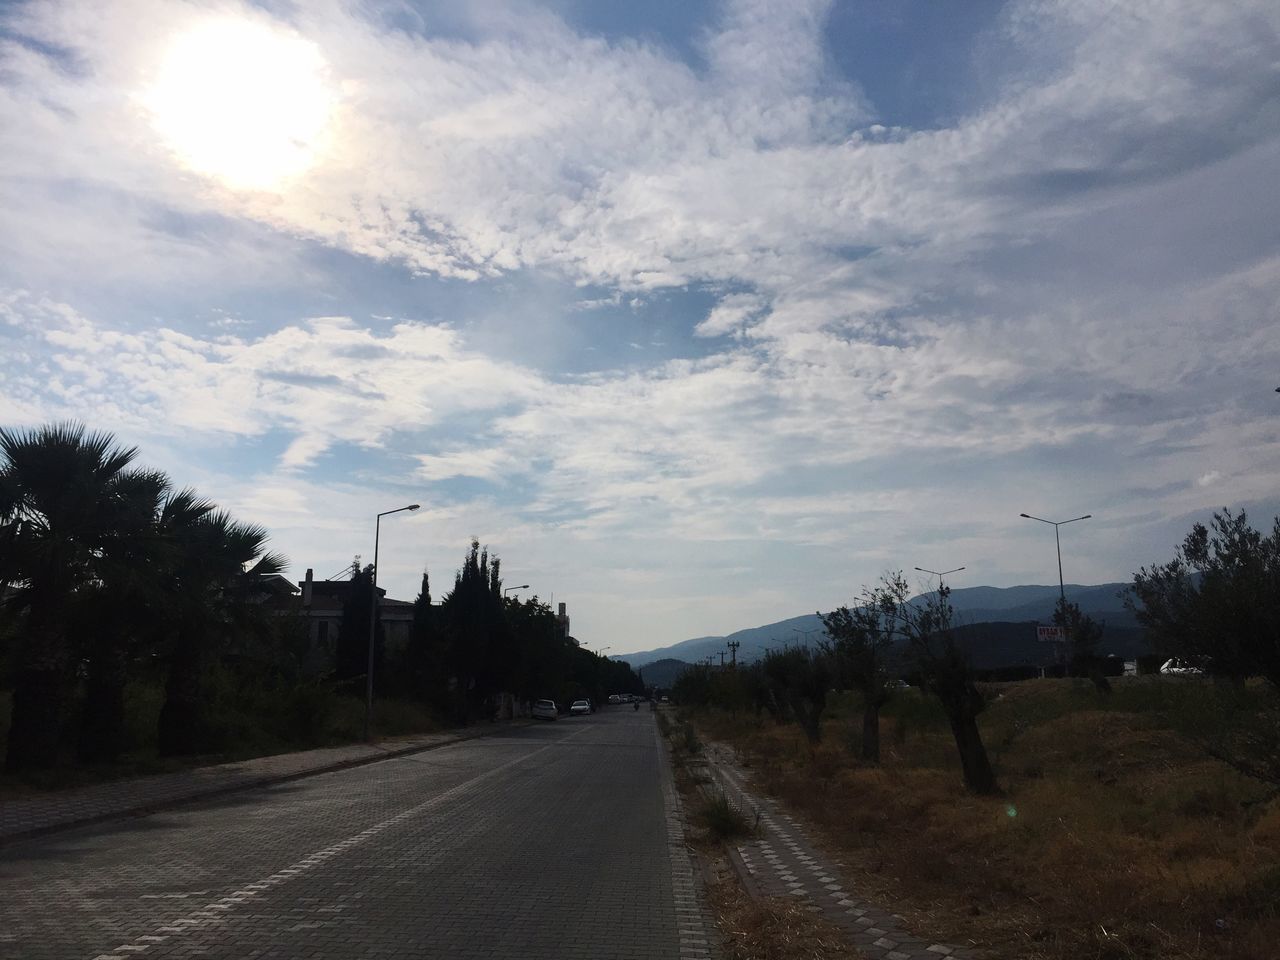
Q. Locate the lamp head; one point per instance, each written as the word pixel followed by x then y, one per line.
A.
pixel 414 506
pixel 1027 515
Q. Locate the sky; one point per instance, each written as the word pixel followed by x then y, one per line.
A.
pixel 699 315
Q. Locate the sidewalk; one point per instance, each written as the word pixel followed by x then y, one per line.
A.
pixel 63 809
pixel 780 861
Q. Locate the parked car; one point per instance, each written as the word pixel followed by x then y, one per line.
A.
pixel 545 710
pixel 615 698
pixel 579 708
pixel 1181 668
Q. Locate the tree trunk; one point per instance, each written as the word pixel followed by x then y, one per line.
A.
pixel 41 691
pixel 809 717
pixel 39 701
pixel 978 775
pixel 182 726
pixel 102 725
pixel 1098 678
pixel 871 732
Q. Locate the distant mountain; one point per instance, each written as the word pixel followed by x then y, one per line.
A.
pixel 1006 606
pixel 755 641
pixel 663 673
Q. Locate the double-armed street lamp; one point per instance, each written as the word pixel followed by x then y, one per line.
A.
pixel 940 573
pixel 805 634
pixel 1058 542
pixel 373 618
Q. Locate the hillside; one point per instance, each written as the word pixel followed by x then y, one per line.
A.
pixel 1003 606
pixel 663 673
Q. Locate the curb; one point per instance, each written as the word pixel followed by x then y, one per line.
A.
pixel 146 809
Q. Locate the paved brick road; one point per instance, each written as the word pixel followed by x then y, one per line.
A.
pixel 553 841
pixel 56 810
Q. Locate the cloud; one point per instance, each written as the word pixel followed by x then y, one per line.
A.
pixel 730 314
pixel 325 380
pixel 1068 293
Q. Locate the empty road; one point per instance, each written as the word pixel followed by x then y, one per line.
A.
pixel 552 841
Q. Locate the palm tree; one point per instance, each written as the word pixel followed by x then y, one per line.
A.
pixel 217 583
pixel 129 605
pixel 58 488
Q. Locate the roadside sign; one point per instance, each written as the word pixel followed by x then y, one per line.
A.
pixel 1051 634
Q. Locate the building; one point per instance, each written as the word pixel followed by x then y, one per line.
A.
pixel 321 602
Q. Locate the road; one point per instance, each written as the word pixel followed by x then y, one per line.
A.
pixel 554 841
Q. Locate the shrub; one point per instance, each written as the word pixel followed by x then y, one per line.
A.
pixel 722 819
pixel 664 723
pixel 688 739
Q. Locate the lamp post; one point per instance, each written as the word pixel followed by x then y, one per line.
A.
pixel 940 574
pixel 805 634
pixel 1062 593
pixel 506 590
pixel 373 619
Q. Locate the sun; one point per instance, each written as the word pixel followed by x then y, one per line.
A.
pixel 243 102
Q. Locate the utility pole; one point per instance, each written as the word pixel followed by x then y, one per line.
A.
pixel 721 659
pixel 733 653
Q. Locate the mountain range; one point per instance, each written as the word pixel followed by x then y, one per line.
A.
pixel 973 605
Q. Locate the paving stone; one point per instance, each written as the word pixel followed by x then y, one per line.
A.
pixel 559 841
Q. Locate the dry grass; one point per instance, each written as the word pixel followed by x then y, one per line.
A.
pixel 1117 837
pixel 773 928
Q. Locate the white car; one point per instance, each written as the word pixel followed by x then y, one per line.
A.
pixel 579 708
pixel 545 710
pixel 1180 668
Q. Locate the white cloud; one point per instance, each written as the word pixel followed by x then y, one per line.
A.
pixel 731 314
pixel 1083 266
pixel 326 380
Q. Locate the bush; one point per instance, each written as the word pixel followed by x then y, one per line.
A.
pixel 664 723
pixel 688 739
pixel 722 819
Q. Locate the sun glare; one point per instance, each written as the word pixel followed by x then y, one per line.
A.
pixel 242 102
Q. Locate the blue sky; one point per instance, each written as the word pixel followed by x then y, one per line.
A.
pixel 700 315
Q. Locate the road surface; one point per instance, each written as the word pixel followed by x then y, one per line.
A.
pixel 555 841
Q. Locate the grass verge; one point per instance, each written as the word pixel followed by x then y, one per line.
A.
pixel 1119 836
pixel 772 928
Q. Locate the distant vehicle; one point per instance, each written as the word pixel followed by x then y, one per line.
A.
pixel 897 685
pixel 579 707
pixel 666 700
pixel 615 698
pixel 545 710
pixel 1177 667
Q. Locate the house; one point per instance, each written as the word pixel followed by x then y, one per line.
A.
pixel 320 603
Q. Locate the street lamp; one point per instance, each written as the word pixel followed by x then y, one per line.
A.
pixel 506 590
pixel 1057 540
pixel 373 619
pixel 940 574
pixel 804 633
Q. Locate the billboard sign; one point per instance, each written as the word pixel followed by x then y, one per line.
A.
pixel 1051 634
